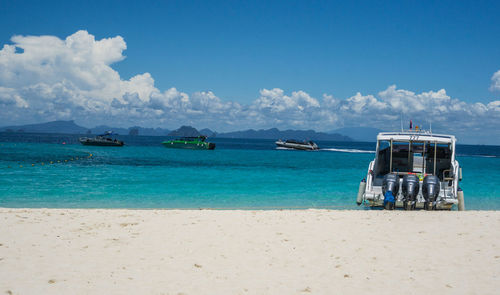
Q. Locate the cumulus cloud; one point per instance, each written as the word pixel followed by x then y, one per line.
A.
pixel 495 81
pixel 47 78
pixel 275 107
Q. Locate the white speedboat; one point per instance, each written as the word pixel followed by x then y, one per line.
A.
pixel 297 145
pixel 413 169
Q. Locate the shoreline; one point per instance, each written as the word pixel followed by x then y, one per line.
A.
pixel 270 208
pixel 225 251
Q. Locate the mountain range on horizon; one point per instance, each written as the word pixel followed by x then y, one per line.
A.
pixel 70 127
pixel 66 127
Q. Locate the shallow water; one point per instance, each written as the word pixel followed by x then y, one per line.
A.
pixel 238 174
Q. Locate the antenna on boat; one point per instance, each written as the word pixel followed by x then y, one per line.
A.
pixel 430 126
pixel 401 118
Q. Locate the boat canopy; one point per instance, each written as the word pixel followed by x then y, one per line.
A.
pixel 416 136
pixel 414 152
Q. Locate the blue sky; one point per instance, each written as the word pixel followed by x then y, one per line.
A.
pixel 236 49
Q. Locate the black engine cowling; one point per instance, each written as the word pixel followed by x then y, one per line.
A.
pixel 411 187
pixel 390 189
pixel 430 190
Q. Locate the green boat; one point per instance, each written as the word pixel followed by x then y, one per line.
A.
pixel 193 143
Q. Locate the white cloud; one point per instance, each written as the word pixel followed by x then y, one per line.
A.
pixel 275 101
pixel 275 107
pixel 51 78
pixel 9 97
pixel 360 104
pixel 495 81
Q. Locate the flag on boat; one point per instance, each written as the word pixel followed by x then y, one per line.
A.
pixel 411 124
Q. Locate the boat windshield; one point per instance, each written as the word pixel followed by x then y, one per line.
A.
pixel 295 141
pixel 412 157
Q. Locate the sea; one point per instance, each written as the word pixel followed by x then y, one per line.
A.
pixel 55 171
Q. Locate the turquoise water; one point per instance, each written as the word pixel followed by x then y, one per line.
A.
pixel 232 176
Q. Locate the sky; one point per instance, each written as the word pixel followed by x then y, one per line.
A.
pixel 233 65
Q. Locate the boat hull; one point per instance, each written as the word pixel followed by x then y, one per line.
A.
pixel 301 147
pixel 102 143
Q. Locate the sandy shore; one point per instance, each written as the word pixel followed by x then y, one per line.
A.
pixel 52 251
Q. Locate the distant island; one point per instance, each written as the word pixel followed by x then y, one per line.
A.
pixel 65 127
pixel 272 133
pixel 70 127
pixel 185 131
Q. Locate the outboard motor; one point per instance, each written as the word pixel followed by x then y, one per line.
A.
pixel 430 191
pixel 390 189
pixel 410 189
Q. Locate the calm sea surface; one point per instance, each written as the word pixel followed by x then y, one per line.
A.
pixel 239 173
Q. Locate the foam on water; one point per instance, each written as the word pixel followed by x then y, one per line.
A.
pixel 348 150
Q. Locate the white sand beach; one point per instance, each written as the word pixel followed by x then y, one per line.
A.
pixel 70 251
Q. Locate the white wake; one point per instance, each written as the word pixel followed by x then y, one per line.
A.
pixel 348 151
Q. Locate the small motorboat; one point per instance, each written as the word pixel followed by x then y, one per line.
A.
pixel 413 169
pixel 101 140
pixel 192 143
pixel 297 145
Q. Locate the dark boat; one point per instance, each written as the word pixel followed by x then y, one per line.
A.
pixel 297 145
pixel 101 140
pixel 193 143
